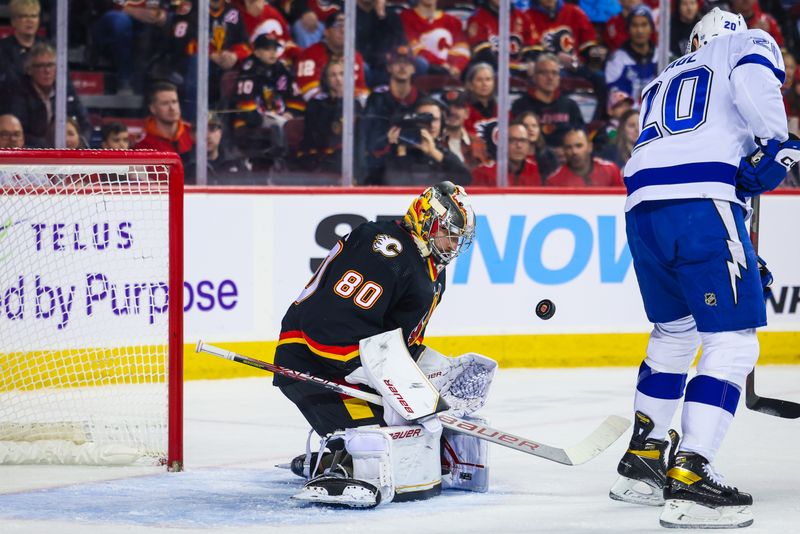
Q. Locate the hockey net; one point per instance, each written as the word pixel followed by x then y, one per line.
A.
pixel 91 307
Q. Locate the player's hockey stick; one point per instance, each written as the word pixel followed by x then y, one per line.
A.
pixel 766 405
pixel 592 445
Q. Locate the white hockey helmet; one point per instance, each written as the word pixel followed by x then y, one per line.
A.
pixel 713 24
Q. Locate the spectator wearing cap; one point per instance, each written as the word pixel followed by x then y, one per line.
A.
pixel 522 169
pixel 114 136
pixel 545 158
pixel 634 65
pixel 378 32
pixel 264 101
pixel 331 49
pixel 417 155
pixel 685 15
pixel 164 130
pixel 756 18
pixel 556 111
pixel 219 161
pixel 480 84
pixel 396 99
pixel 618 103
pixel 437 39
pixel 456 137
pixel 615 31
pixel 580 169
pixel 308 17
pixel 11 133
pixel 260 18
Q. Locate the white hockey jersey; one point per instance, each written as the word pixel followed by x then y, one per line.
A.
pixel 699 117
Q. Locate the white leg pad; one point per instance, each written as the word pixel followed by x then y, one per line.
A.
pixel 402 461
pixel 467 459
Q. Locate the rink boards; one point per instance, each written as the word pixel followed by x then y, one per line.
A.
pixel 250 252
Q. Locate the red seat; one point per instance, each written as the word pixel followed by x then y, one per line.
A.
pixel 430 83
pixel 88 83
pixel 293 133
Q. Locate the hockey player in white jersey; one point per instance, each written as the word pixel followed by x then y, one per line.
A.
pixel 713 133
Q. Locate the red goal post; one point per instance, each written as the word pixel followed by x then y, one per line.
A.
pixel 91 312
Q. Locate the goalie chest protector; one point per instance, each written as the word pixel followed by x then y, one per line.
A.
pixel 372 280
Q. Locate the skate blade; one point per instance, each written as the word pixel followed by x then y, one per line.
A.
pixel 636 492
pixel 688 514
pixel 287 465
pixel 351 497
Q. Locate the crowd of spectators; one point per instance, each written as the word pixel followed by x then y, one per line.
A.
pixel 425 83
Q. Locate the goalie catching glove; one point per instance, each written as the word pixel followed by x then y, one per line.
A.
pixel 462 381
pixel 765 169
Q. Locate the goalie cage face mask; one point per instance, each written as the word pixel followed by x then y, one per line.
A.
pixel 442 222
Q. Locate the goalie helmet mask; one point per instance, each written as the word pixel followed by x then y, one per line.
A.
pixel 441 221
pixel 713 24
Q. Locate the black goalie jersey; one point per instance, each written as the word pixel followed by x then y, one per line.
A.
pixel 372 281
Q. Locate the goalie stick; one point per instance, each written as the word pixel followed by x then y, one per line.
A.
pixel 766 405
pixel 592 445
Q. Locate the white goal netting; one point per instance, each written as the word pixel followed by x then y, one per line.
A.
pixel 84 329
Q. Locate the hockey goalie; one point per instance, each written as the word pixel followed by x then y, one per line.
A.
pixel 361 320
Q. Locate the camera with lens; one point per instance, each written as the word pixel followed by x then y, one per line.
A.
pixel 410 125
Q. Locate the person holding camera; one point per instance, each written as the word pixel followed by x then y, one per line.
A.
pixel 416 154
pixel 395 99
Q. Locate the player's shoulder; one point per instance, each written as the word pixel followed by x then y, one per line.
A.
pixel 385 239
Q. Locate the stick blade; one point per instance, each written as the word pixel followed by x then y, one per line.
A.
pixel 766 405
pixel 603 436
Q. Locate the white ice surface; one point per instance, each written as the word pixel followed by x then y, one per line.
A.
pixel 237 430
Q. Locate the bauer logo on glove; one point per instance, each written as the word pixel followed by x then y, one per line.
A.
pixel 765 169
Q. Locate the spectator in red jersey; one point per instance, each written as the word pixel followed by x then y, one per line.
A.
pixel 562 29
pixel 483 37
pixel 11 133
pixel 314 58
pixel 756 18
pixel 436 38
pixel 791 98
pixel 260 18
pixel 164 129
pixel 456 137
pixel 580 168
pixel 378 32
pixel 114 136
pixel 616 29
pixel 556 111
pixel 480 84
pixel 545 157
pixel 685 15
pixel 522 169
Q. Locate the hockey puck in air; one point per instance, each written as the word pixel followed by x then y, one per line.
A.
pixel 545 309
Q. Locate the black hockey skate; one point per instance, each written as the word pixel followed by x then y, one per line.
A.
pixel 337 461
pixel 696 497
pixel 339 491
pixel 643 467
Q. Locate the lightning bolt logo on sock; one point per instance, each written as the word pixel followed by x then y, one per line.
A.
pixel 737 261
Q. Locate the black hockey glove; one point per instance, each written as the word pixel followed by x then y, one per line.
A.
pixel 766 277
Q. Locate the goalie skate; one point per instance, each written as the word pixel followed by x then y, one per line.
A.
pixel 339 491
pixel 696 497
pixel 642 469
